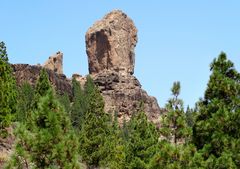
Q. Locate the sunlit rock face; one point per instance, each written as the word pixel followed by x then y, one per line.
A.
pixel 110 44
pixel 55 63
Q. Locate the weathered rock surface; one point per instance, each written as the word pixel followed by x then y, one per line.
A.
pixel 30 73
pixel 123 94
pixel 110 44
pixel 55 63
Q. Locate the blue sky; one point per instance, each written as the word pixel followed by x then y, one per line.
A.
pixel 177 40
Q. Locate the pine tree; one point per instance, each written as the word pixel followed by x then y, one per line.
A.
pixel 171 156
pixel 174 150
pixel 3 52
pixel 216 132
pixel 190 116
pixel 43 84
pixel 25 101
pixel 78 108
pixel 7 90
pixel 142 141
pixel 41 88
pixel 49 142
pixel 174 126
pixel 95 127
pixel 65 101
pixel 114 147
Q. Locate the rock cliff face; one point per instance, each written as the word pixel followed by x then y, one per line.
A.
pixel 123 94
pixel 110 46
pixel 55 63
pixel 30 73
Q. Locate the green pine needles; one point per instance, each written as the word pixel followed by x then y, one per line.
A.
pixel 8 91
pixel 47 140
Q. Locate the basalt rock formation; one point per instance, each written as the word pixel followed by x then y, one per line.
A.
pixel 110 46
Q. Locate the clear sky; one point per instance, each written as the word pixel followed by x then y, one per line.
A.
pixel 177 40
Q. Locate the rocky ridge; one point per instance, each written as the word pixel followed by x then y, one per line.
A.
pixel 110 44
pixel 30 73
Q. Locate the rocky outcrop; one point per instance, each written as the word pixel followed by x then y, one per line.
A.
pixel 55 63
pixel 81 79
pixel 30 73
pixel 110 44
pixel 123 94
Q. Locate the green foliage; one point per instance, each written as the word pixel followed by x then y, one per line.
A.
pixel 45 137
pixel 7 90
pixel 79 106
pixel 43 84
pixel 141 141
pixel 114 147
pixel 174 126
pixel 173 151
pixel 49 142
pixel 3 52
pixel 171 156
pixel 190 116
pixel 216 131
pixel 95 127
pixel 25 101
pixel 65 101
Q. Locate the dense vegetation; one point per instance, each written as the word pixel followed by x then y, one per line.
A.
pixel 54 131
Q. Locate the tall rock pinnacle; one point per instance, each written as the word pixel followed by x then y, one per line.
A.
pixel 110 44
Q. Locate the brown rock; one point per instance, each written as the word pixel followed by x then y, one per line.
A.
pixel 55 63
pixel 110 44
pixel 123 94
pixel 30 73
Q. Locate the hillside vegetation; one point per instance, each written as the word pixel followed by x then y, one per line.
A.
pixel 56 131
